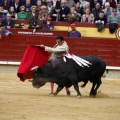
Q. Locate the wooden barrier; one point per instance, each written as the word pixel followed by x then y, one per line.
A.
pixel 13 47
pixel 44 32
pixel 86 29
pixel 39 32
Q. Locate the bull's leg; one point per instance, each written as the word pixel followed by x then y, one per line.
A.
pixel 92 89
pixel 97 86
pixel 59 88
pixel 76 87
pixel 74 81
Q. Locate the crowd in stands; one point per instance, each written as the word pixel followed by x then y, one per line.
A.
pixel 99 12
pixel 4 31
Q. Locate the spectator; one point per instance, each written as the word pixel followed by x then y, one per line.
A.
pixel 55 15
pixel 1 2
pixel 8 22
pixel 58 50
pixel 87 17
pixel 33 24
pixel 4 31
pixel 12 12
pixel 33 17
pixel 44 2
pixel 33 14
pixel 33 2
pixel 70 3
pixel 22 15
pixel 100 20
pixel 111 2
pixel 76 1
pixel 94 2
pixel 97 9
pixel 22 2
pixel 3 12
pixel 28 5
pixel 5 4
pixel 87 6
pixel 21 25
pixel 16 5
pixel 114 18
pixel 74 14
pixel 11 2
pixel 47 25
pixel 113 21
pixel 78 9
pixel 42 15
pixel 83 3
pixel 49 7
pixel 108 9
pixel 64 10
pixel 56 2
pixel 74 33
pixel 118 9
pixel 39 4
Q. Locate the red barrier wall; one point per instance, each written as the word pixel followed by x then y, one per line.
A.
pixel 12 47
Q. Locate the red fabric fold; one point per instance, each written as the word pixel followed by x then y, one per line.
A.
pixel 33 56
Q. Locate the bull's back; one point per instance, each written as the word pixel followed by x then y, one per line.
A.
pixel 96 69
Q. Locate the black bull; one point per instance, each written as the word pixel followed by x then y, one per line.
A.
pixel 66 74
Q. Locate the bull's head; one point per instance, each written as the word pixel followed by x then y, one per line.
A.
pixel 38 78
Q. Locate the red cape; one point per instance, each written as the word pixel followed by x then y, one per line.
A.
pixel 33 56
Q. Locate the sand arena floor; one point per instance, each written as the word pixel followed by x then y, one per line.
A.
pixel 20 101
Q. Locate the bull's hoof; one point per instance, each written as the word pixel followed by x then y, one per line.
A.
pixel 93 94
pixel 68 93
pixel 51 94
pixel 78 96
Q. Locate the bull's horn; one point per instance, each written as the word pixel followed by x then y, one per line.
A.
pixel 34 68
